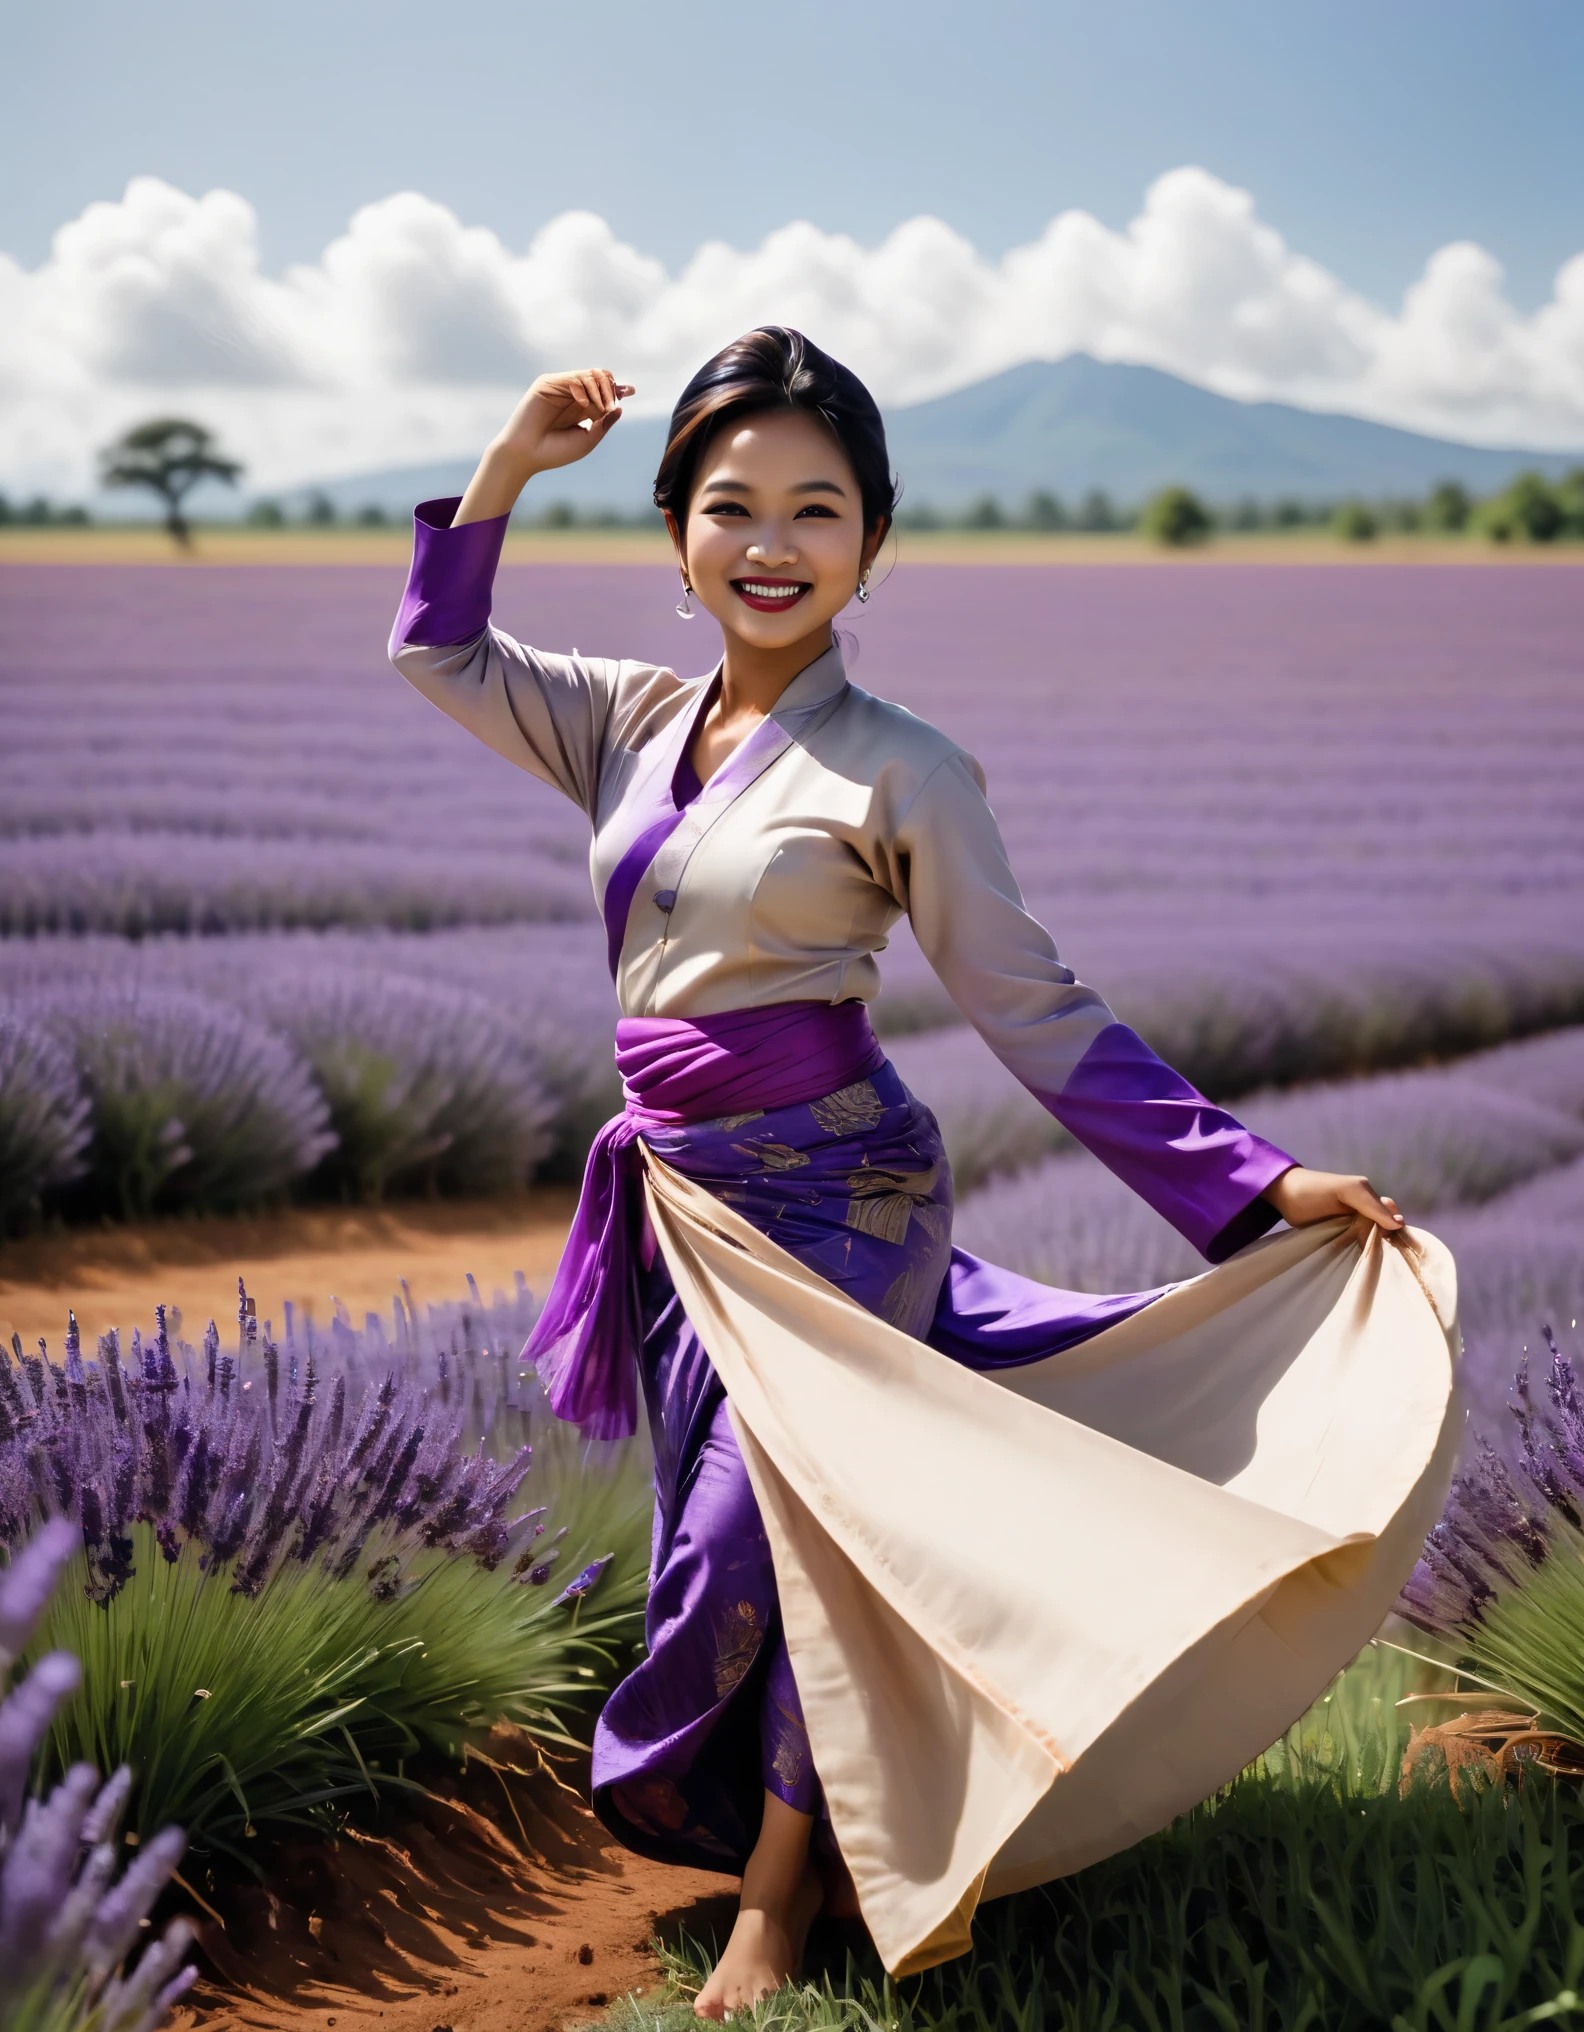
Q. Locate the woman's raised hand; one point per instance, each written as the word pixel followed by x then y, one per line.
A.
pixel 560 420
pixel 1301 1196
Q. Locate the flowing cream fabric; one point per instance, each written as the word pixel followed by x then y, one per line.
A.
pixel 1037 1613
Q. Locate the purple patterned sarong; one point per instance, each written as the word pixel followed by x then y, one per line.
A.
pixel 792 1115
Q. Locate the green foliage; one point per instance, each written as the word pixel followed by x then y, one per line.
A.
pixel 235 1710
pixel 1529 511
pixel 385 1116
pixel 1177 518
pixel 1447 508
pixel 1043 510
pixel 319 511
pixel 41 513
pixel 1309 1897
pixel 1570 497
pixel 169 456
pixel 986 513
pixel 1528 1638
pixel 265 515
pixel 372 516
pixel 1355 523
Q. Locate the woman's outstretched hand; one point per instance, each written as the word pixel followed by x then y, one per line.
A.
pixel 560 420
pixel 1301 1196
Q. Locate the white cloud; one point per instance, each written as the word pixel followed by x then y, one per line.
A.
pixel 408 338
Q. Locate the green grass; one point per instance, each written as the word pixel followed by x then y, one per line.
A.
pixel 1530 1639
pixel 233 1711
pixel 1310 1896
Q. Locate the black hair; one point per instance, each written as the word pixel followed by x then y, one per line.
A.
pixel 777 368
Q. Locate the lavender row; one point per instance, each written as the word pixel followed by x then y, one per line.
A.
pixel 301 1529
pixel 128 1095
pixel 138 884
pixel 1360 754
pixel 1231 1029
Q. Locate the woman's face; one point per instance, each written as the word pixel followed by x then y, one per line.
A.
pixel 775 540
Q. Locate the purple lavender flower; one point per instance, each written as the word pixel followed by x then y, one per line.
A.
pixel 61 1916
pixel 31 1578
pixel 575 1589
pixel 1501 1519
pixel 44 1127
pixel 193 1101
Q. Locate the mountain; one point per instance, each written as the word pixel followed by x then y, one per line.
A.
pixel 1066 425
pixel 1080 423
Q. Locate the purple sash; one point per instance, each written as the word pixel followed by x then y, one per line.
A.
pixel 585 1341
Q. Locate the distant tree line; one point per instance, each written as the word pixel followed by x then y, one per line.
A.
pixel 41 513
pixel 1531 509
pixel 1096 513
pixel 566 515
pixel 318 511
pixel 169 456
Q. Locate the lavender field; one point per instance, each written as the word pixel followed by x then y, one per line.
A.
pixel 269 924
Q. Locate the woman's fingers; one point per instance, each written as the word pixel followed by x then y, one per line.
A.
pixel 1301 1196
pixel 1362 1197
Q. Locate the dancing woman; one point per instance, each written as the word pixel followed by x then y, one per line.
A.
pixel 958 1581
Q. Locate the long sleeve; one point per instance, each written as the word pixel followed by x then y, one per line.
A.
pixel 1190 1160
pixel 554 716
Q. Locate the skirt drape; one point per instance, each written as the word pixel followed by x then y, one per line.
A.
pixel 857 1187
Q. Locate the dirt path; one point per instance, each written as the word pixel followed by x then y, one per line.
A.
pixel 503 1907
pixel 116 1276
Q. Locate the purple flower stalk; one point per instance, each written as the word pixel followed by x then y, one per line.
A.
pixel 65 1926
pixel 1502 1520
pixel 209 1467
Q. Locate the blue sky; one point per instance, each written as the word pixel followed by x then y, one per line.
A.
pixel 344 234
pixel 1370 131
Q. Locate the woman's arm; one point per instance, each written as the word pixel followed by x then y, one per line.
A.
pixel 1219 1184
pixel 548 714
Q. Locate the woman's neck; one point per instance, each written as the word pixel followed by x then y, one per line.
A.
pixel 752 681
pixel 753 678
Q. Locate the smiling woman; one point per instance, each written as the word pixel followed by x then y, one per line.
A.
pixel 838 1699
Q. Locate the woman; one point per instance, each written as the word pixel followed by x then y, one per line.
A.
pixel 775 1201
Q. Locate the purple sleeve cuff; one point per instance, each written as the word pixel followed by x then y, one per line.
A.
pixel 1187 1158
pixel 453 573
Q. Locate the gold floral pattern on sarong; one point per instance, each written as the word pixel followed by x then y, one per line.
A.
pixel 791 1747
pixel 849 1110
pixel 737 1640
pixel 934 1220
pixel 896 1308
pixel 773 1156
pixel 883 1202
pixel 730 1122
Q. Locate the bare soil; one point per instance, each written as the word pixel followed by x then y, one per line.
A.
pixel 115 1275
pixel 501 1905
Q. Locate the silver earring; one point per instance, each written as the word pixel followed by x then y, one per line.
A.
pixel 863 590
pixel 685 604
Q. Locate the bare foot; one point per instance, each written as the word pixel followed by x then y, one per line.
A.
pixel 763 1952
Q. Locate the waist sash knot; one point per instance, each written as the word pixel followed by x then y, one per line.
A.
pixel 674 1071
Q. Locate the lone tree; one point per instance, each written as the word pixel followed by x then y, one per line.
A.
pixel 169 456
